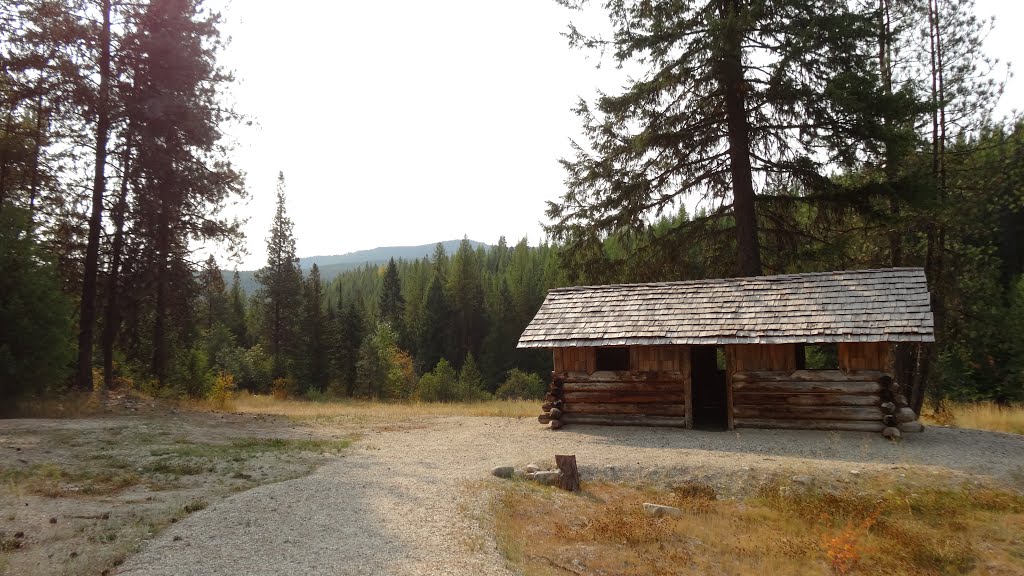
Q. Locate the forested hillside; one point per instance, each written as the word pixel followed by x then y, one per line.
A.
pixel 872 142
pixel 331 266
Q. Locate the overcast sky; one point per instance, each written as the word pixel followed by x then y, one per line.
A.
pixel 410 122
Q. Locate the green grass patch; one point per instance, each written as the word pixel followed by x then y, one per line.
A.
pixel 249 447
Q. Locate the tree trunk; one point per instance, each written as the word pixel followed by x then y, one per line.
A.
pixel 33 192
pixel 733 86
pixel 569 479
pixel 87 314
pixel 160 321
pixel 4 158
pixel 112 321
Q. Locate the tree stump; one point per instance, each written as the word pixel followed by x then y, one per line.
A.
pixel 570 477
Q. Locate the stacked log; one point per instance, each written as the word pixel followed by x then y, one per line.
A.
pixel 898 416
pixel 808 400
pixel 554 404
pixel 862 401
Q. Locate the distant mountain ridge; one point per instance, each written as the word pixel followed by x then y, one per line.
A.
pixel 333 265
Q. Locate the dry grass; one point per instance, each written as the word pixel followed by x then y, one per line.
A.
pixel 978 415
pixel 604 530
pixel 376 411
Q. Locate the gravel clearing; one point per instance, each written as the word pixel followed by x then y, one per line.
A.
pixel 409 502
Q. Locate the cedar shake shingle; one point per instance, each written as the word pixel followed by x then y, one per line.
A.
pixel 888 305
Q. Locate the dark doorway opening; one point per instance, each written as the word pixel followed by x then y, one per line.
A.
pixel 707 381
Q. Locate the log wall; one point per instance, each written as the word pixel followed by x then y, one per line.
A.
pixel 764 389
pixel 818 399
pixel 652 393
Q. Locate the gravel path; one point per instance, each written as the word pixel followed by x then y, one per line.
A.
pixel 404 502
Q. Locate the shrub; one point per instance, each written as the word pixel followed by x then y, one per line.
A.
pixel 401 376
pixel 192 372
pixel 222 390
pixel 284 387
pixel 251 367
pixel 520 385
pixel 471 385
pixel 438 385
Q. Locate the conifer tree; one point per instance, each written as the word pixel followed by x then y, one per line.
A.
pixel 236 311
pixel 391 308
pixel 211 284
pixel 433 333
pixel 313 331
pixel 734 93
pixel 467 300
pixel 281 287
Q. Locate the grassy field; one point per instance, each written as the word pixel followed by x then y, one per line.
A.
pixel 978 415
pixel 380 411
pixel 884 528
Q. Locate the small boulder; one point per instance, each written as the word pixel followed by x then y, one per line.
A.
pixel 531 468
pixel 503 471
pixel 660 510
pixel 547 477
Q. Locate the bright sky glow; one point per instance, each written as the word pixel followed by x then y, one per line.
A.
pixel 405 122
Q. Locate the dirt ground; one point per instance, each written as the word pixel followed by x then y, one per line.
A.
pixel 153 491
pixel 78 496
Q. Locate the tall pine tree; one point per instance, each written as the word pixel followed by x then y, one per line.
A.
pixel 281 288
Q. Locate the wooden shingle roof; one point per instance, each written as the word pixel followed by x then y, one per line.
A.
pixel 889 305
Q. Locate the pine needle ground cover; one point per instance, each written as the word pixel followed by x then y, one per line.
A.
pixel 877 526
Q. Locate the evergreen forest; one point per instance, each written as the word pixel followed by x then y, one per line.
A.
pixel 811 135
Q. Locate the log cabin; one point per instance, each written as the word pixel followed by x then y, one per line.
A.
pixel 803 351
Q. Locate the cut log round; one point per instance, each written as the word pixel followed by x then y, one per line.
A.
pixel 888 407
pixel 544 418
pixel 570 475
pixel 555 413
pixel 556 424
pixel 869 413
pixel 842 425
pixel 893 433
pixel 912 427
pixel 900 400
pixel 890 420
pixel 906 415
